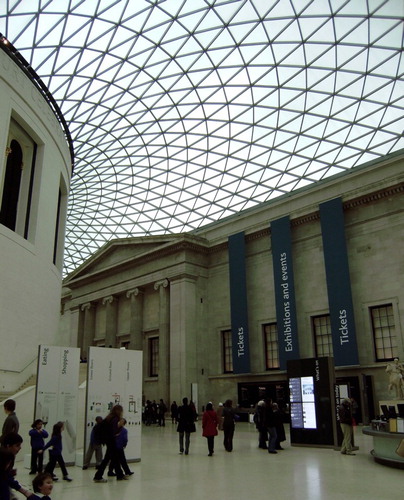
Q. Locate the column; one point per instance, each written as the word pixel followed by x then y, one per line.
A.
pixel 164 340
pixel 110 304
pixel 186 319
pixel 88 311
pixel 75 332
pixel 136 318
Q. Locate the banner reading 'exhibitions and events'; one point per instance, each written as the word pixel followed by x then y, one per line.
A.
pixel 238 304
pixel 338 283
pixel 284 291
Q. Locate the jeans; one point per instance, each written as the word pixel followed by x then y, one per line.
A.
pixel 272 439
pixel 187 441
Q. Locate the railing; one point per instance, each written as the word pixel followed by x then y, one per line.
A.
pixel 13 380
pixel 3 370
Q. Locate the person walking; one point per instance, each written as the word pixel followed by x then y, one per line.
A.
pixel 109 430
pixel 121 441
pixel 95 445
pixel 186 425
pixel 229 425
pixel 345 421
pixel 55 452
pixel 209 427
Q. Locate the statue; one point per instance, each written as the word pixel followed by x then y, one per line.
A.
pixel 396 377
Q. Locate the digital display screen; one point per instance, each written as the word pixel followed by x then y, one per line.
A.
pixel 302 403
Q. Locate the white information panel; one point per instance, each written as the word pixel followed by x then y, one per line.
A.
pixel 114 377
pixel 57 393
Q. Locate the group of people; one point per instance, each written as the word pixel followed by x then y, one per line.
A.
pixel 11 442
pixel 268 419
pixel 154 413
pixel 212 421
pixel 110 432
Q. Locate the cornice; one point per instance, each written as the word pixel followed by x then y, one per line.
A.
pixel 315 215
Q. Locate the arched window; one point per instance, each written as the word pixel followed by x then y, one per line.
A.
pixel 12 183
pixel 18 181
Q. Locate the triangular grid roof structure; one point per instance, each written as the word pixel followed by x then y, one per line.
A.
pixel 186 111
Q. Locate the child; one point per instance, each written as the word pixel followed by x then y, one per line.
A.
pixel 11 423
pixel 121 440
pixel 43 485
pixel 38 435
pixel 55 452
pixel 12 443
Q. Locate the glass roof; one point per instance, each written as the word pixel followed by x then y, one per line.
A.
pixel 186 111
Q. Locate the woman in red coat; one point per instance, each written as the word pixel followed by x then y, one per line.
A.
pixel 209 426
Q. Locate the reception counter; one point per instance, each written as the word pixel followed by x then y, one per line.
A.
pixel 385 445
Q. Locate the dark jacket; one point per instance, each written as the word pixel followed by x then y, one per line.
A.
pixel 56 443
pixel 38 438
pixel 229 416
pixel 344 413
pixel 186 419
pixel 269 416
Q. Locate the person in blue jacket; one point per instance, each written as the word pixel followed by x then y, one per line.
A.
pixel 121 440
pixel 38 435
pixel 55 452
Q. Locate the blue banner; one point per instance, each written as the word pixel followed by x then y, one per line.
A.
pixel 284 285
pixel 238 304
pixel 338 283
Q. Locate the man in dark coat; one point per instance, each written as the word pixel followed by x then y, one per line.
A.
pixel 186 424
pixel 270 423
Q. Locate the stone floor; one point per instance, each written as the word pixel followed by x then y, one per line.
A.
pixel 299 473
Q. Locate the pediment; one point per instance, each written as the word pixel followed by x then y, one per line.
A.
pixel 119 251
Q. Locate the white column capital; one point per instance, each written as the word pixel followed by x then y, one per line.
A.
pixel 108 300
pixel 134 292
pixel 162 283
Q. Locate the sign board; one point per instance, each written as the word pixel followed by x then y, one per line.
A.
pixel 57 393
pixel 114 376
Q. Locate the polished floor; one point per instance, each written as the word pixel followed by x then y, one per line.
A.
pixel 248 472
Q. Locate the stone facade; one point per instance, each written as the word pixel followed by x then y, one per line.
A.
pixel 176 287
